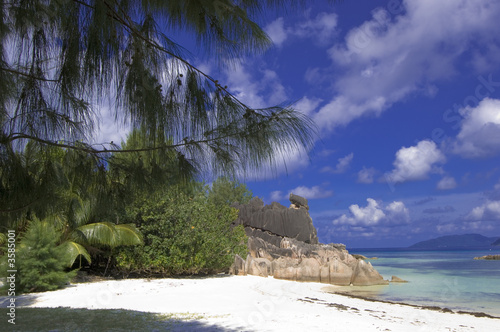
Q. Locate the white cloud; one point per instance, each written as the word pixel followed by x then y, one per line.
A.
pixel 342 165
pixel 416 162
pixel 314 192
pixel 109 130
pixel 366 175
pixel 321 29
pixel 256 92
pixel 479 134
pixel 397 213
pixel 277 196
pixel 307 105
pixel 342 110
pixel 390 57
pixel 447 183
pixel 488 211
pixel 276 31
pixel 315 76
pixel 327 153
pixel 375 214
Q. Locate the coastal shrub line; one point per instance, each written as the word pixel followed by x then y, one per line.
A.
pixel 184 234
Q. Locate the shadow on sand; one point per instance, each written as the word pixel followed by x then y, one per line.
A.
pixel 20 300
pixel 75 320
pixel 29 318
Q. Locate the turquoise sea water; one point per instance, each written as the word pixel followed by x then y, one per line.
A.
pixel 448 279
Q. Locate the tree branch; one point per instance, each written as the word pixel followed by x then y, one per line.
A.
pixel 89 149
pixel 126 21
pixel 17 72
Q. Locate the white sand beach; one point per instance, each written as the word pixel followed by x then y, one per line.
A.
pixel 250 303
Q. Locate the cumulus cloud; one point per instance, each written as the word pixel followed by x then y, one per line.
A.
pixel 342 165
pixel 321 29
pixel 314 192
pixel 479 134
pixel 447 183
pixel 375 214
pixel 393 55
pixel 416 162
pixel 488 211
pixel 366 175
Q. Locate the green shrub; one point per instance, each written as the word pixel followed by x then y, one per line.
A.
pixel 226 191
pixel 40 262
pixel 184 234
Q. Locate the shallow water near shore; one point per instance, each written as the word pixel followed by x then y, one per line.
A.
pixel 448 279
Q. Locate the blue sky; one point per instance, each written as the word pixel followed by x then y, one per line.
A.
pixel 406 97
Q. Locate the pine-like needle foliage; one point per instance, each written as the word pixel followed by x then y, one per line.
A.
pixel 61 60
pixel 41 262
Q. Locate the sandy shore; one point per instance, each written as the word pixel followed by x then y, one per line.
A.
pixel 249 303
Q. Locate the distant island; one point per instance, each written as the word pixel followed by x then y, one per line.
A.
pixel 458 241
pixel 489 257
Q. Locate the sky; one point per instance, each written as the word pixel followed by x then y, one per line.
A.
pixel 406 98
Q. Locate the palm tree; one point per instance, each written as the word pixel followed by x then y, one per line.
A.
pixel 102 234
pixel 72 196
pixel 81 234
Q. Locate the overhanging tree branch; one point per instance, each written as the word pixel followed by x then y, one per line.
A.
pixel 88 149
pixel 203 110
pixel 127 22
pixel 20 73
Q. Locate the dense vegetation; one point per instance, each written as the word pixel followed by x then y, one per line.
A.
pixel 41 262
pixel 185 234
pixel 163 224
pixel 72 201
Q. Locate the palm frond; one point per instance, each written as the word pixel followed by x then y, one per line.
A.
pixel 129 234
pixel 109 234
pixel 74 250
pixel 3 239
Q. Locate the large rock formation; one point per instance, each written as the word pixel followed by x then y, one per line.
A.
pixel 282 242
pixel 276 219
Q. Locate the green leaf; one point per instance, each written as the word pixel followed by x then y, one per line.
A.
pixel 109 234
pixel 129 234
pixel 73 250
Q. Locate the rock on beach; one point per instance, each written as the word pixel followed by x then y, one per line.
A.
pixel 283 243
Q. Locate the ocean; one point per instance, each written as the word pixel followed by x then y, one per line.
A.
pixel 448 279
